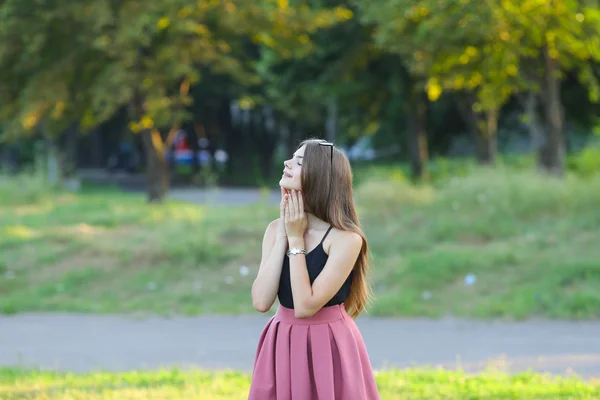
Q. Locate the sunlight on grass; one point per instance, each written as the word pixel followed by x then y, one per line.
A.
pixel 198 384
pixel 19 231
pixel 393 193
pixel 176 212
pixel 32 209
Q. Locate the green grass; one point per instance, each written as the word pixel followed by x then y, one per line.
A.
pixel 530 241
pixel 107 251
pixel 17 384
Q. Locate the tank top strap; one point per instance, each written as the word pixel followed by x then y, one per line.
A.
pixel 326 233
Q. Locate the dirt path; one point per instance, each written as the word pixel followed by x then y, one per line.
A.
pixel 84 342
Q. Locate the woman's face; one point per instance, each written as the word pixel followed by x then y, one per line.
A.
pixel 292 169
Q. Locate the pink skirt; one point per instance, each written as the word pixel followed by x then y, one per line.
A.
pixel 322 357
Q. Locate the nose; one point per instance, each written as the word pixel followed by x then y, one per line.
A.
pixel 285 164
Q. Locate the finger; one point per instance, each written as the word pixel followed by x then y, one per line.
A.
pixel 283 204
pixel 287 212
pixel 283 199
pixel 295 202
pixel 300 203
pixel 291 203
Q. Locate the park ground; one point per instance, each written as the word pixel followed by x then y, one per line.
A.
pixel 502 247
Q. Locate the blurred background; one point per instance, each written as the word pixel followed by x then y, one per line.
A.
pixel 221 92
pixel 141 145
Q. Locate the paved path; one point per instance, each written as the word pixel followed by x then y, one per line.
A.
pixel 83 342
pixel 226 196
pixel 220 195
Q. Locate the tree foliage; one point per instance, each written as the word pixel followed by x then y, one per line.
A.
pixel 369 65
pixel 491 50
pixel 65 59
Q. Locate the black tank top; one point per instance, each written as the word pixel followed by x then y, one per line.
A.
pixel 315 261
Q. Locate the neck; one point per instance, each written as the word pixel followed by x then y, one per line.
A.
pixel 316 223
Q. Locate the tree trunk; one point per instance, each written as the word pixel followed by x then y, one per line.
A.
pixel 486 137
pixel 417 134
pixel 551 155
pixel 483 129
pixel 536 131
pixel 157 171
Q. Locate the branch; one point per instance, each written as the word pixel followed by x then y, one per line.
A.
pixel 172 135
pixel 184 89
pixel 157 142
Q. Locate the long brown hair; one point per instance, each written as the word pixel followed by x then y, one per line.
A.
pixel 320 182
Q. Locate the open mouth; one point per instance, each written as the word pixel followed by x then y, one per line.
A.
pixel 286 174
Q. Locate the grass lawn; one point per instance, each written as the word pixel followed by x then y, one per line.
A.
pixel 200 385
pixel 492 244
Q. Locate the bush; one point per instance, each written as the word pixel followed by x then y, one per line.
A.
pixel 586 162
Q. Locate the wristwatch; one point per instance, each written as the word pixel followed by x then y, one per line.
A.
pixel 295 251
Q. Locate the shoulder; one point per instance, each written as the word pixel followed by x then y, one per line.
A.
pixel 272 229
pixel 352 239
pixel 344 240
pixel 273 225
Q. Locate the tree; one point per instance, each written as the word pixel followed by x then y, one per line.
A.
pixel 404 28
pixel 441 57
pixel 550 39
pixel 492 50
pixel 144 56
pixel 320 92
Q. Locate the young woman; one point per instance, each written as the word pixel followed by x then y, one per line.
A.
pixel 314 259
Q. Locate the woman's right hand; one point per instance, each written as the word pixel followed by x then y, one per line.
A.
pixel 281 232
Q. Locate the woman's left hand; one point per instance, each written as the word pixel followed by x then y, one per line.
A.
pixel 296 221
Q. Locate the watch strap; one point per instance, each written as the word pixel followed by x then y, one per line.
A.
pixel 295 251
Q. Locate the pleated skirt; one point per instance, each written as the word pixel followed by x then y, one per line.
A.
pixel 322 357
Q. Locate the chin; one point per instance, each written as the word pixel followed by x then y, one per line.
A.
pixel 286 186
